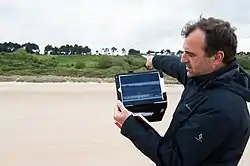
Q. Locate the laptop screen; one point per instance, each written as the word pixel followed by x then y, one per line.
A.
pixel 140 88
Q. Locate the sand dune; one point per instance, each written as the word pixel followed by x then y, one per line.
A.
pixel 68 125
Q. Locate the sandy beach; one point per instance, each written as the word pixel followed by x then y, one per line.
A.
pixel 69 124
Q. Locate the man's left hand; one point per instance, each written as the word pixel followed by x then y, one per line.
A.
pixel 121 113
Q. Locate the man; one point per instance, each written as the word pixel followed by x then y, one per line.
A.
pixel 211 123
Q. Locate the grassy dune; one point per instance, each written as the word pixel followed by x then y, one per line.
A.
pixel 23 67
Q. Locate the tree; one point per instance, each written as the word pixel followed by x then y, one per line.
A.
pixel 133 52
pixel 113 49
pixel 67 50
pixel 150 52
pixel 167 51
pixel 179 53
pixel 64 50
pixel 123 51
pixel 48 49
pixel 31 48
pixel 162 51
pixel 9 47
pixel 106 51
pixel 86 50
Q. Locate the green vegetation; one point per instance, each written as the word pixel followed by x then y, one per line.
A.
pixel 21 63
pixel 244 61
pixel 91 66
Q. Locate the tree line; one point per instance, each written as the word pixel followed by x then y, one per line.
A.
pixel 76 49
pixel 67 49
pixel 12 47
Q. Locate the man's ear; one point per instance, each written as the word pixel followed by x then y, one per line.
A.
pixel 218 57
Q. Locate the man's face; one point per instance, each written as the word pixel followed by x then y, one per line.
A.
pixel 197 63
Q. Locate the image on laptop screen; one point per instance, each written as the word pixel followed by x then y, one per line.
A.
pixel 141 88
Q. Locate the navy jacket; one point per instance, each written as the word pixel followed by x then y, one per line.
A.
pixel 210 125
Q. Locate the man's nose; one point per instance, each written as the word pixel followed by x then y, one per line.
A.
pixel 183 58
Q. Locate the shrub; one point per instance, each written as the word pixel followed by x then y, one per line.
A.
pixel 104 62
pixel 135 62
pixel 94 73
pixel 80 65
pixel 112 71
pixel 244 62
pixel 117 62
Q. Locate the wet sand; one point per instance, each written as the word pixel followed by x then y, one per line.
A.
pixel 69 125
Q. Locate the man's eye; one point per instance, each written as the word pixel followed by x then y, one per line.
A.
pixel 191 55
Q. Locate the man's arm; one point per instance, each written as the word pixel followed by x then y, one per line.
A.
pixel 171 65
pixel 192 143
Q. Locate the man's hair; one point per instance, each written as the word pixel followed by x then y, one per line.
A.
pixel 219 36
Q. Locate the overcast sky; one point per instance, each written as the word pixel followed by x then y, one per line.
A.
pixel 140 24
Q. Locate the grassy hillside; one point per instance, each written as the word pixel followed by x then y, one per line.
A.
pixel 87 66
